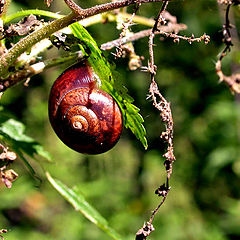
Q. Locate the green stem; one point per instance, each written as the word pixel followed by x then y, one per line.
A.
pixel 85 22
pixel 29 12
pixel 8 59
pixel 24 44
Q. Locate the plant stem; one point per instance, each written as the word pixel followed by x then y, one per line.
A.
pixel 29 12
pixel 85 22
pixel 9 58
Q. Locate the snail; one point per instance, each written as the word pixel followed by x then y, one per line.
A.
pixel 85 118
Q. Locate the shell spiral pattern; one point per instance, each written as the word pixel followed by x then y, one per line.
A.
pixel 84 117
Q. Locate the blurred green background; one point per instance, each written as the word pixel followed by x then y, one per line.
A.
pixel 204 201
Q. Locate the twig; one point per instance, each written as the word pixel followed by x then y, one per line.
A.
pixel 233 81
pixel 166 115
pixel 9 58
pixel 227 38
pixel 37 68
pixel 159 21
pixel 27 73
pixel 125 32
pixel 84 13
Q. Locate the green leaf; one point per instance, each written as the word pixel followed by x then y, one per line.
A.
pixel 78 201
pixel 13 132
pixel 131 117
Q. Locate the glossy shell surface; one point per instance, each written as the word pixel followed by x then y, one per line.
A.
pixel 84 117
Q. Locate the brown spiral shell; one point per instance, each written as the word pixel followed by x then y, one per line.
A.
pixel 84 117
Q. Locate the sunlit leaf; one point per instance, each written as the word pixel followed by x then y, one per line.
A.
pixel 13 132
pixel 78 201
pixel 131 117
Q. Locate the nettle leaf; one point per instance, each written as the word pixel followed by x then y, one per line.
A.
pixel 77 200
pixel 131 116
pixel 13 132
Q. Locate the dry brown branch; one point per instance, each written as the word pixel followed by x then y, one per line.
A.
pixel 167 32
pixel 84 13
pixel 36 68
pixel 233 81
pixel 134 62
pixel 8 59
pixel 164 107
pixel 125 31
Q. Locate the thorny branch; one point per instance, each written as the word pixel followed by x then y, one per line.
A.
pixel 8 59
pixel 162 105
pixel 166 115
pixel 83 13
pixel 232 81
pixel 170 30
pixel 165 25
pixel 164 30
pixel 125 31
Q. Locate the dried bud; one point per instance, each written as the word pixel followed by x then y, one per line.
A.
pixel 8 177
pixel 7 156
pixel 11 156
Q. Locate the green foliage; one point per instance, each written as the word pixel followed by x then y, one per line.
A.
pixel 131 117
pixel 12 132
pixel 80 204
pixel 203 203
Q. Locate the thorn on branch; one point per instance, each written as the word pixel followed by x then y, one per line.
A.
pixel 233 81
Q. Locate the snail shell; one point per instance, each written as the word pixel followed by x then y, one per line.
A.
pixel 85 118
